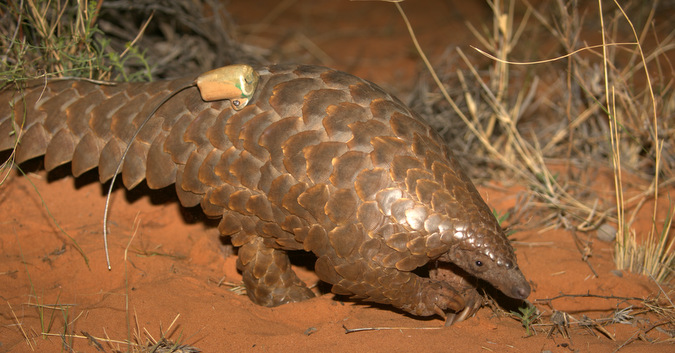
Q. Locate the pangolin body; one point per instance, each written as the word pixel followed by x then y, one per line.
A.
pixel 319 160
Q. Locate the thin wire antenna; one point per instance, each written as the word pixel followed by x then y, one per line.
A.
pixel 119 166
pixel 237 83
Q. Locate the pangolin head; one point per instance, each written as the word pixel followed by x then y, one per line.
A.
pixel 483 250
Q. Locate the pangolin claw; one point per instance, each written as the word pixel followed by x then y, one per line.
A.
pixel 453 318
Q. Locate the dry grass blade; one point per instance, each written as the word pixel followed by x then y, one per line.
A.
pixel 18 324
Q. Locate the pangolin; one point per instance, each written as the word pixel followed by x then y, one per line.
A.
pixel 318 160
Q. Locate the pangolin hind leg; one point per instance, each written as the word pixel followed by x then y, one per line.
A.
pixel 268 276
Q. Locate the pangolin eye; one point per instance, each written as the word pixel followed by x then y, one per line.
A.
pixel 479 263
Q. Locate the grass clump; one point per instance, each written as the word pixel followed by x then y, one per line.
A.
pixel 61 39
pixel 597 104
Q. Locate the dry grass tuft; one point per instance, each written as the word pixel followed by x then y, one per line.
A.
pixel 142 341
pixel 102 40
pixel 56 39
pixel 554 124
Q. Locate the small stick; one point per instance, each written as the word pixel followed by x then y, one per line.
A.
pixel 587 295
pixel 362 329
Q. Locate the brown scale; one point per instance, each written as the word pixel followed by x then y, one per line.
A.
pixel 318 160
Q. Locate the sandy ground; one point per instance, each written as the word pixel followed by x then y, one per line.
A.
pixel 174 268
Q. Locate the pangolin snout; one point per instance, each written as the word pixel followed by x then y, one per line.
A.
pixel 520 291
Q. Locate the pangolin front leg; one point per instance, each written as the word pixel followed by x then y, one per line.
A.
pixel 402 289
pixel 463 284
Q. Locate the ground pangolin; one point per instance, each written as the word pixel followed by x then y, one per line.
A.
pixel 319 160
